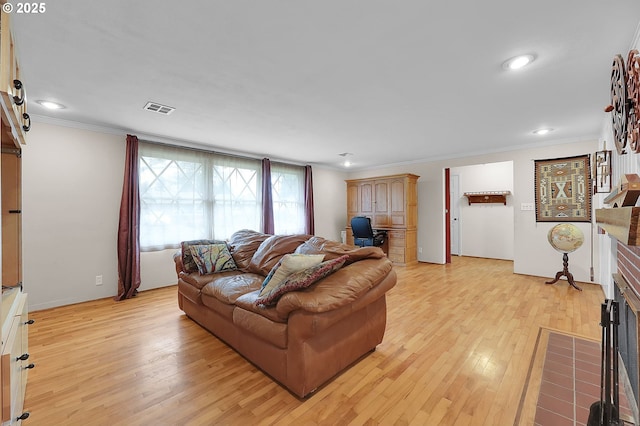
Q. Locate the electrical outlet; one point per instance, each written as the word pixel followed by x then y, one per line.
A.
pixel 98 279
pixel 420 250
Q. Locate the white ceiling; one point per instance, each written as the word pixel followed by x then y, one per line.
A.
pixel 389 81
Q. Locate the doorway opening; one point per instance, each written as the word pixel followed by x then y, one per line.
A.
pixel 479 230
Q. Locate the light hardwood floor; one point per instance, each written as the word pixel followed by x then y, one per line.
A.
pixel 457 350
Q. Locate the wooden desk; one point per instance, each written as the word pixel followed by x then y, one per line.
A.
pixel 400 245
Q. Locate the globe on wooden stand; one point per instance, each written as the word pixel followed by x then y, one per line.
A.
pixel 565 238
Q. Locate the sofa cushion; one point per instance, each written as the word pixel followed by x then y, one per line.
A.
pixel 199 281
pixel 301 279
pixel 248 302
pixel 334 249
pixel 271 250
pixel 261 327
pixel 243 244
pixel 288 264
pixel 188 264
pixel 212 258
pixel 339 289
pixel 223 309
pixel 228 288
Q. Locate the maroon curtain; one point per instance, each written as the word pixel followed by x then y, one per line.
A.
pixel 308 201
pixel 267 199
pixel 129 226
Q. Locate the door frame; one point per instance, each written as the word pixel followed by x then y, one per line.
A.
pixel 447 215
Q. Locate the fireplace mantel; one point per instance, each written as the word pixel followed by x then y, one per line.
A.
pixel 622 223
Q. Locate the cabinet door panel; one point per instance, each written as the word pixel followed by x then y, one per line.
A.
pixel 382 202
pixel 12 373
pixel 397 196
pixel 366 198
pixel 352 199
pixel 11 222
pixel 397 203
pixel 381 217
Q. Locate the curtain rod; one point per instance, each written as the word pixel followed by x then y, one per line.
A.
pixel 212 151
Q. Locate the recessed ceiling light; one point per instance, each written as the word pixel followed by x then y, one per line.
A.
pixel 518 62
pixel 346 155
pixel 542 131
pixel 51 105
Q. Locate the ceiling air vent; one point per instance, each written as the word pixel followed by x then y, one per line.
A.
pixel 160 109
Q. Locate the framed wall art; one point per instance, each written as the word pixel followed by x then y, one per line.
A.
pixel 563 189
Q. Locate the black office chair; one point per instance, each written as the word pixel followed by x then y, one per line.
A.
pixel 363 234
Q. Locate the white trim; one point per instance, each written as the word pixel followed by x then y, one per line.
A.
pixel 593 137
pixel 150 137
pixel 179 142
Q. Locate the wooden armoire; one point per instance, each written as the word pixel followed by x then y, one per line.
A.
pixel 15 362
pixel 391 202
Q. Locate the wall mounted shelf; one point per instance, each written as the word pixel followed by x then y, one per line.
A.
pixel 486 197
pixel 622 223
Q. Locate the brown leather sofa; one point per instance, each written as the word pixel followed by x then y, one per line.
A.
pixel 311 334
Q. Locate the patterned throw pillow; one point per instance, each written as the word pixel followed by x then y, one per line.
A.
pixel 211 258
pixel 271 274
pixel 302 279
pixel 288 264
pixel 188 264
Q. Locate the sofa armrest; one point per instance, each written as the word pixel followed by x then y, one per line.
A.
pixel 340 288
pixel 305 325
pixel 177 258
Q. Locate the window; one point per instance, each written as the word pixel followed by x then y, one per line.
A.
pixel 187 194
pixel 287 193
pixel 237 195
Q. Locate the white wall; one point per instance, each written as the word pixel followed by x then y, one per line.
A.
pixel 621 164
pixel 329 202
pixel 72 184
pixel 532 253
pixel 486 230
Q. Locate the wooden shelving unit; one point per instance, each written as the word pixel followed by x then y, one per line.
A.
pixel 622 223
pixel 392 204
pixel 14 124
pixel 486 197
pixel 13 105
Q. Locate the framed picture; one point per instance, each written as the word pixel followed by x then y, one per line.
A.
pixel 563 189
pixel 602 171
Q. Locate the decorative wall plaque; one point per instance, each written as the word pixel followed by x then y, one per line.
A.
pixel 619 104
pixel 633 94
pixel 563 189
pixel 625 103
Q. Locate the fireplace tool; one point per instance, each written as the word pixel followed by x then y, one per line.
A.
pixel 606 411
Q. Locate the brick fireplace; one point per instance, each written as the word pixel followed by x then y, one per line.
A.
pixel 627 293
pixel 629 265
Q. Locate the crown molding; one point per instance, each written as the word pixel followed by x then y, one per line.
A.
pixel 149 137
